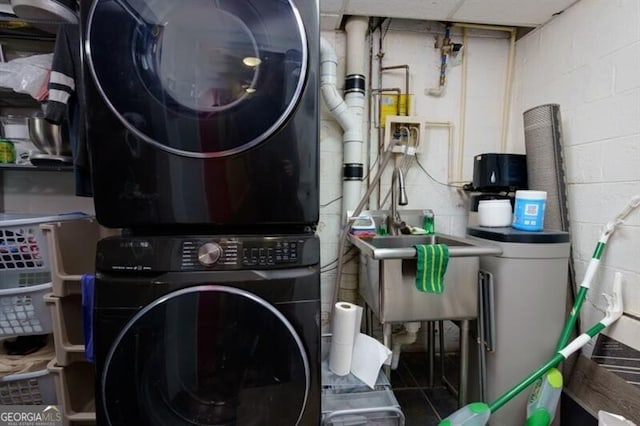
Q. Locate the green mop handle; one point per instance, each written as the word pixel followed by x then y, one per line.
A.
pixel 614 311
pixel 544 414
pixel 478 413
pixel 560 356
pixel 584 288
pixel 592 269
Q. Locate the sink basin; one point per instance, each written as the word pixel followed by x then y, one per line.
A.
pixel 403 241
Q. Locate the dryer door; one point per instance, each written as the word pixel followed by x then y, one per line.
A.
pixel 206 355
pixel 198 78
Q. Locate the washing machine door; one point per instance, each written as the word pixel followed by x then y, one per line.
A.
pixel 206 355
pixel 198 78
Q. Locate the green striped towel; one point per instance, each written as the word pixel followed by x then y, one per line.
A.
pixel 431 267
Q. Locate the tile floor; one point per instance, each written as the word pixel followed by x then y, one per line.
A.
pixel 422 404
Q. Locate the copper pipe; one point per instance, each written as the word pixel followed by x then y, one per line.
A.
pixel 386 90
pixel 406 79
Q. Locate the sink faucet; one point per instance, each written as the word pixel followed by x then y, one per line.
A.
pixel 397 225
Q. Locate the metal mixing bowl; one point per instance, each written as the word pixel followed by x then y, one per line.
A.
pixel 48 138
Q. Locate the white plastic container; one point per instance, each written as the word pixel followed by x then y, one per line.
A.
pixel 494 213
pixel 528 214
pixel 14 127
pixel 545 396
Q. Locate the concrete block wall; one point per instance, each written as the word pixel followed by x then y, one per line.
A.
pixel 588 60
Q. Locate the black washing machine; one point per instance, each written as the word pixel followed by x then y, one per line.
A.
pixel 202 112
pixel 207 331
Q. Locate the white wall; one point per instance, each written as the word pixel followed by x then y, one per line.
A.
pixel 588 61
pixel 412 43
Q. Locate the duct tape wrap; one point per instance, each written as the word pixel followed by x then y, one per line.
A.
pixel 545 163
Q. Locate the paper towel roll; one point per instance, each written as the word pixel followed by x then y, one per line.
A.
pixel 352 351
pixel 340 357
pixel 346 322
pixel 345 327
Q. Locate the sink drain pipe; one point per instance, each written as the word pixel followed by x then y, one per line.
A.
pixel 406 337
pixel 349 111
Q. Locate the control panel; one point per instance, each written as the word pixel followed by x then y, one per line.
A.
pixel 235 253
pixel 206 253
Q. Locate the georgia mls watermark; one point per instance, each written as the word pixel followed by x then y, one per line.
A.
pixel 30 415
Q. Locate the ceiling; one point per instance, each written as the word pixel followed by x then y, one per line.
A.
pixel 517 13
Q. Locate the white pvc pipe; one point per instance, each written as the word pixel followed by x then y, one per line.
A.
pixel 356 29
pixel 406 337
pixel 449 127
pixel 351 190
pixel 348 112
pixel 463 107
pixel 328 78
pixel 506 103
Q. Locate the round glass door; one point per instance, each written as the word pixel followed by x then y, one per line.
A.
pixel 206 355
pixel 200 78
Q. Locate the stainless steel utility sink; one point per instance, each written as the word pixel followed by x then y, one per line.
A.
pixel 388 270
pixel 387 282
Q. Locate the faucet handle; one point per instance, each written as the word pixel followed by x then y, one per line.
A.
pixel 404 228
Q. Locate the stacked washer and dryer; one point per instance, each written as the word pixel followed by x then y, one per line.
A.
pixel 202 123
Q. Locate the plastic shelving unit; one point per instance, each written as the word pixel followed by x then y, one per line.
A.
pixel 75 388
pixel 66 313
pixel 71 246
pixel 25 277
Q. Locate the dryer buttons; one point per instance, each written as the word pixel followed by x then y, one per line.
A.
pixel 209 253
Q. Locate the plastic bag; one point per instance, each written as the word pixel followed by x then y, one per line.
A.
pixel 609 419
pixel 28 75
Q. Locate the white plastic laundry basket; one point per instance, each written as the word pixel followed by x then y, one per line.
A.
pixel 24 312
pixel 24 257
pixel 36 388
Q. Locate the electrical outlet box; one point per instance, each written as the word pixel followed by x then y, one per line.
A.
pixel 409 129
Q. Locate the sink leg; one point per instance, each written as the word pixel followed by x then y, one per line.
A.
pixel 386 340
pixel 464 362
pixel 368 320
pixel 432 349
pixel 441 347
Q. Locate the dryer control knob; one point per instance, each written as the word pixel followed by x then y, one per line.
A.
pixel 209 253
